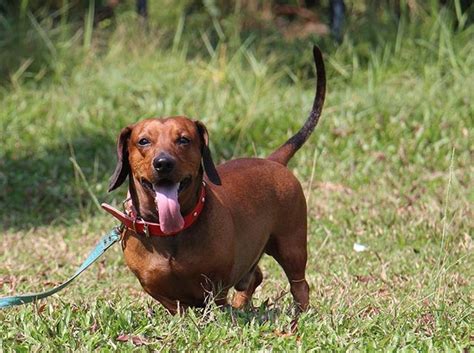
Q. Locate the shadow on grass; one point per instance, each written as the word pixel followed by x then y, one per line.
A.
pixel 45 188
pixel 259 315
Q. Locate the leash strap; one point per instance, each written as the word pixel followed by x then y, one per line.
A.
pixel 106 242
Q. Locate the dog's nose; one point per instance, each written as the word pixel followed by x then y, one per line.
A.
pixel 163 164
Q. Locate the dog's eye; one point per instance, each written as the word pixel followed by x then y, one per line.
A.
pixel 143 142
pixel 183 140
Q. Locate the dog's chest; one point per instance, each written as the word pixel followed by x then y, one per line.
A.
pixel 171 271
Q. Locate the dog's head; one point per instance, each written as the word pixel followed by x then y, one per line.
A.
pixel 165 157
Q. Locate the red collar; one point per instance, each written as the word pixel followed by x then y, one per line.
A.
pixel 138 225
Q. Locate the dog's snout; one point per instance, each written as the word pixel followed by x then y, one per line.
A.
pixel 164 164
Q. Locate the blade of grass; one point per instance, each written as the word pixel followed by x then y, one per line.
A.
pixel 89 25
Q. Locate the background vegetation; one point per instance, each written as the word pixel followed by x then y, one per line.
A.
pixel 389 166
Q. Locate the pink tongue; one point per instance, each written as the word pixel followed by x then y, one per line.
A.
pixel 166 199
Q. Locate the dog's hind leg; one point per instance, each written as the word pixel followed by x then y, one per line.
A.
pixel 289 250
pixel 246 287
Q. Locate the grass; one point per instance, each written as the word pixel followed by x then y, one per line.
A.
pixel 390 166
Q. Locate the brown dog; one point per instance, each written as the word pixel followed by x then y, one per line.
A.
pixel 252 206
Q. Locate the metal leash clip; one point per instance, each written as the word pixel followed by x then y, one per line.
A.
pixel 145 227
pixel 121 229
pixel 134 225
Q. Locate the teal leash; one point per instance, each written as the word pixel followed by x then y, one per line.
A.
pixel 106 242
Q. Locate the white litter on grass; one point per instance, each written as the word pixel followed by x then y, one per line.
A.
pixel 360 247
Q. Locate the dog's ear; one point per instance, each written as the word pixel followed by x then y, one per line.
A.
pixel 123 166
pixel 207 162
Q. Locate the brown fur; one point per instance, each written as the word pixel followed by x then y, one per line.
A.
pixel 253 206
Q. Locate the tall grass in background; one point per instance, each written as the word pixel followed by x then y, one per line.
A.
pixel 46 39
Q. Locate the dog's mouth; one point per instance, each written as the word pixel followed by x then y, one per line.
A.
pixel 183 184
pixel 166 193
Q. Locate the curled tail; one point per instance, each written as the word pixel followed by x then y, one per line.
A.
pixel 284 153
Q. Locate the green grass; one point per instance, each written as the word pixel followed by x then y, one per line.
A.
pixel 389 166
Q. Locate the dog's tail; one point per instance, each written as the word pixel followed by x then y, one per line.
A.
pixel 284 153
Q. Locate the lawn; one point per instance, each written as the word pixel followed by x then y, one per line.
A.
pixel 390 166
